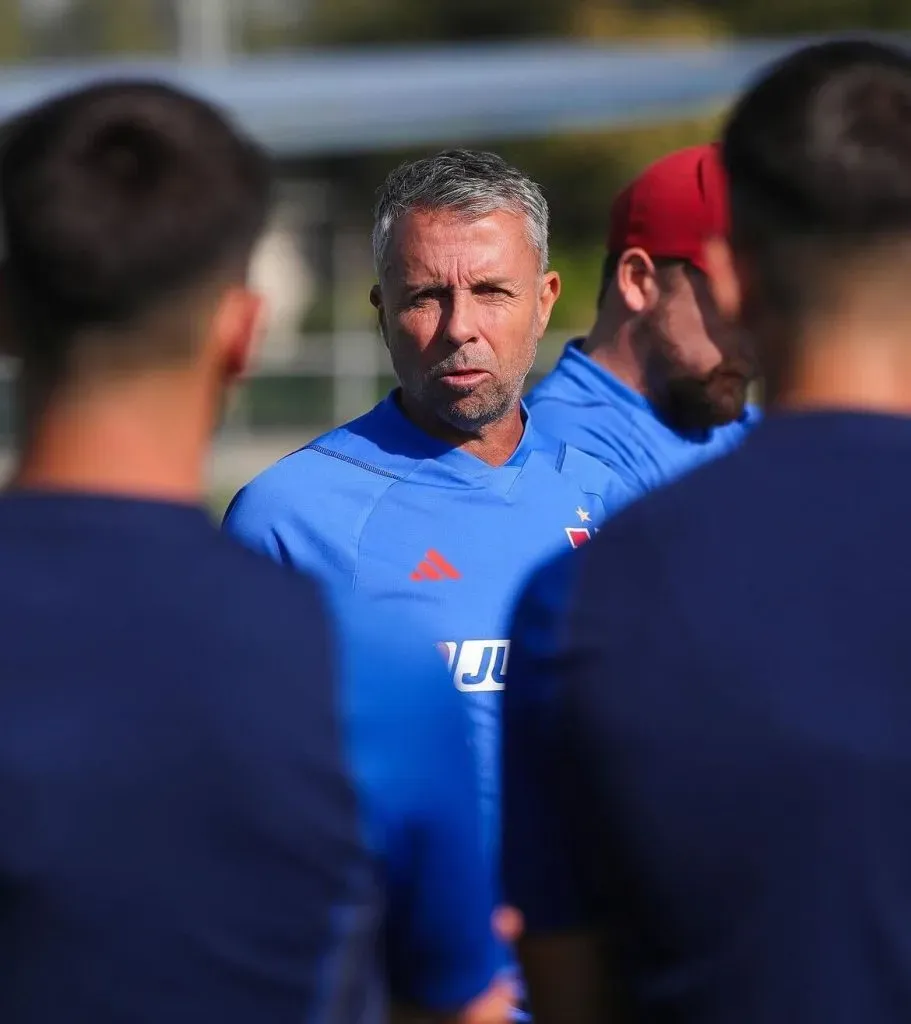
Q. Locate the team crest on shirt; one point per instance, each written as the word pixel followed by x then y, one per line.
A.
pixel 579 535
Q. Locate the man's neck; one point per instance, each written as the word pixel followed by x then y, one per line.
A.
pixel 611 347
pixel 871 374
pixel 128 445
pixel 494 443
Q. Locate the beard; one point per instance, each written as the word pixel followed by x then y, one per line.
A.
pixel 688 401
pixel 700 403
pixel 467 409
pixel 470 412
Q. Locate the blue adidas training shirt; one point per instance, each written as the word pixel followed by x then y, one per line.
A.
pixel 585 405
pixel 225 795
pixel 707 734
pixel 433 536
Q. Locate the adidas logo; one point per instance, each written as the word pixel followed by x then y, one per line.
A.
pixel 435 567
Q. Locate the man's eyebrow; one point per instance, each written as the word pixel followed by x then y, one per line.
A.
pixel 436 285
pixel 414 287
pixel 494 282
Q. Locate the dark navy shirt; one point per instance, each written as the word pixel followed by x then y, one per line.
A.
pixel 707 734
pixel 224 796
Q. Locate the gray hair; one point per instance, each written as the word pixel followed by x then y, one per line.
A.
pixel 462 180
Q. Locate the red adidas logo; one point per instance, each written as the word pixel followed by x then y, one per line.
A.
pixel 435 567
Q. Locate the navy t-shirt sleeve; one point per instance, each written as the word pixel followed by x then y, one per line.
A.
pixel 411 758
pixel 540 876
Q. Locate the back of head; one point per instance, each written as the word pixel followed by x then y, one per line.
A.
pixel 818 155
pixel 119 199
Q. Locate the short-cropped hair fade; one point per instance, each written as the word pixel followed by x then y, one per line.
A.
pixel 116 197
pixel 818 153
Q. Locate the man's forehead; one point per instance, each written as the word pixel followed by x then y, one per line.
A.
pixel 431 243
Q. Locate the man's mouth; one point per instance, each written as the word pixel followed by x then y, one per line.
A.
pixel 463 378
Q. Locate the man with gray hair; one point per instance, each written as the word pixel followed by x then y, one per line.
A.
pixel 439 502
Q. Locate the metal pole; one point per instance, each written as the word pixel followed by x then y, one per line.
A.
pixel 204 31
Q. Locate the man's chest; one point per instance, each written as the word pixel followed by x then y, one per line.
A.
pixel 454 561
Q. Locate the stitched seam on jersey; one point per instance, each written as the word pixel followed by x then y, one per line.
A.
pixel 561 457
pixel 363 526
pixel 393 479
pixel 353 462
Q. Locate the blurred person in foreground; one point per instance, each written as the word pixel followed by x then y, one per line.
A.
pixel 437 503
pixel 219 788
pixel 660 383
pixel 707 731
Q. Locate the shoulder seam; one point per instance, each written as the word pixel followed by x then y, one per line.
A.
pixel 351 461
pixel 373 509
pixel 561 456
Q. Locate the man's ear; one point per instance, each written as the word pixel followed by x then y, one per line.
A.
pixel 376 300
pixel 239 324
pixel 724 278
pixel 637 281
pixel 551 286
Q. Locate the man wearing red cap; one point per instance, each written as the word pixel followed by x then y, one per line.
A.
pixel 660 383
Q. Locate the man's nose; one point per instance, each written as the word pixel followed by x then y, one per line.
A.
pixel 461 325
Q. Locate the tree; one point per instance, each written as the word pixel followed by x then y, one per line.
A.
pixel 14 43
pixel 125 26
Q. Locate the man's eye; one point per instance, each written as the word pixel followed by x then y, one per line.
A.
pixel 423 298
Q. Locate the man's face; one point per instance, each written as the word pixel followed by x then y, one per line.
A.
pixel 700 365
pixel 463 305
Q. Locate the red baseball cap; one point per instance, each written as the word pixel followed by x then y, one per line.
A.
pixel 673 206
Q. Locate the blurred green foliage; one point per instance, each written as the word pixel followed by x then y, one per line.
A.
pixel 357 21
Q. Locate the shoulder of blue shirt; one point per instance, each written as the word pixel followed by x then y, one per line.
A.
pixel 324 492
pixel 320 493
pixel 587 407
pixel 596 415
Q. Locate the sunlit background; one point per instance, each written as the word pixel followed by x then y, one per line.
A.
pixel 579 93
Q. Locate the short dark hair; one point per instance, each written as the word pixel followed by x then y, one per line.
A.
pixel 818 154
pixel 116 197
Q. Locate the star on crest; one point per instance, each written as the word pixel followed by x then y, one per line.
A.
pixel 584 517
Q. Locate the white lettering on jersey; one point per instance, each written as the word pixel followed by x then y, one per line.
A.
pixel 477 666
